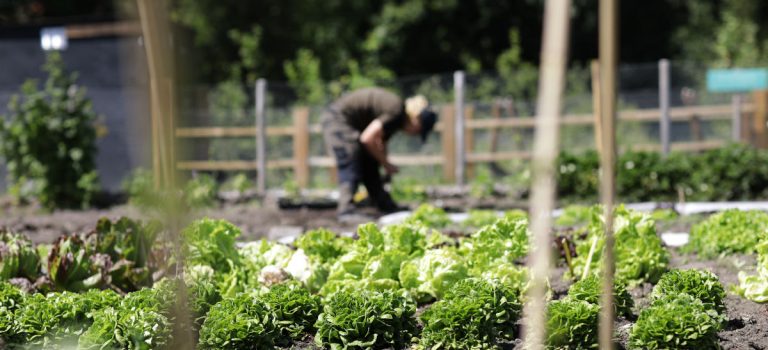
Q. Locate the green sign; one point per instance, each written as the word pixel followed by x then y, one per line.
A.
pixel 737 80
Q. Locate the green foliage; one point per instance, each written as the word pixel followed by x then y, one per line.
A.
pixel 49 141
pixel 640 256
pixel 475 314
pixel 702 285
pixel 70 266
pixel 59 318
pixel 199 192
pixel 574 215
pixel 303 74
pixel 433 274
pixel 11 300
pixel 503 242
pixel 590 288
pixel 212 242
pixel 129 244
pixel 119 328
pixel 728 232
pixel 577 177
pixel 295 310
pixel 242 322
pixel 322 244
pixel 363 320
pixel 572 324
pixel 755 287
pixel 408 190
pixel 676 321
pixel 17 257
pixel 431 216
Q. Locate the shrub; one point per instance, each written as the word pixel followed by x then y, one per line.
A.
pixel 49 141
pixel 728 232
pixel 675 321
pixel 242 322
pixel 702 285
pixel 474 314
pixel 366 319
pixel 572 324
pixel 590 288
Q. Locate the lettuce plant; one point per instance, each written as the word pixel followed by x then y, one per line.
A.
pixel 366 320
pixel 675 321
pixel 640 256
pixel 590 288
pixel 242 322
pixel 17 257
pixel 504 241
pixel 430 216
pixel 322 244
pixel 70 266
pixel 11 300
pixel 295 310
pixel 120 328
pixel 433 274
pixel 475 314
pixel 572 324
pixel 702 285
pixel 755 287
pixel 728 232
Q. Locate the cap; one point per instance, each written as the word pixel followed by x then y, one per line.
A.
pixel 427 119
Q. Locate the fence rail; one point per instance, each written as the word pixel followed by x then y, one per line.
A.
pixel 301 161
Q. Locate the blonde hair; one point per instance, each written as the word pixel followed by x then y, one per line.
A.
pixel 414 105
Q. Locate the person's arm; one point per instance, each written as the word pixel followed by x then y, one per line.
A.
pixel 373 140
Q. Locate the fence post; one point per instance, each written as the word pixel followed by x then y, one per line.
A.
pixel 261 136
pixel 301 146
pixel 760 117
pixel 664 119
pixel 469 143
pixel 736 118
pixel 458 108
pixel 447 136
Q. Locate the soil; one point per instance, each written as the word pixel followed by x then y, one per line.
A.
pixel 747 326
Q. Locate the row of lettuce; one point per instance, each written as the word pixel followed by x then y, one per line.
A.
pixel 348 292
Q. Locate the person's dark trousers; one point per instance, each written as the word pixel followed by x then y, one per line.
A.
pixel 354 165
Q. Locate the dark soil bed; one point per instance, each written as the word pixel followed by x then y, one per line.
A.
pixel 747 326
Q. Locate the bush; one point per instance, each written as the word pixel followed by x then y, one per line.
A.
pixel 242 322
pixel 49 141
pixel 366 319
pixel 728 232
pixel 702 285
pixel 572 324
pixel 474 314
pixel 675 321
pixel 590 288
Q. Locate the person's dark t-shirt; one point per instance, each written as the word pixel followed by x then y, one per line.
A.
pixel 360 107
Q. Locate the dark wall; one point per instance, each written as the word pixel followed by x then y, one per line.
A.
pixel 113 71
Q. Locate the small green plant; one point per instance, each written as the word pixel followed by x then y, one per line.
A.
pixel 295 310
pixel 728 232
pixel 49 141
pixel 11 300
pixel 590 288
pixel 475 314
pixel 18 258
pixel 676 321
pixel 572 324
pixel 702 285
pixel 242 322
pixel 199 192
pixel 431 216
pixel 366 319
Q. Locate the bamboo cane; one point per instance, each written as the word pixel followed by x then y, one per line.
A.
pixel 553 65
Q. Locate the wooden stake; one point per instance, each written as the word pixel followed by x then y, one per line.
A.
pixel 448 138
pixel 554 53
pixel 301 146
pixel 760 118
pixel 598 128
pixel 469 142
pixel 608 63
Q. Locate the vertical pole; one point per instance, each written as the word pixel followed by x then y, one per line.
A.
pixel 554 53
pixel 447 136
pixel 469 143
pixel 736 118
pixel 760 118
pixel 301 146
pixel 261 136
pixel 458 108
pixel 608 62
pixel 664 120
pixel 598 129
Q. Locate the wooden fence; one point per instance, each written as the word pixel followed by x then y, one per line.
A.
pixel 301 130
